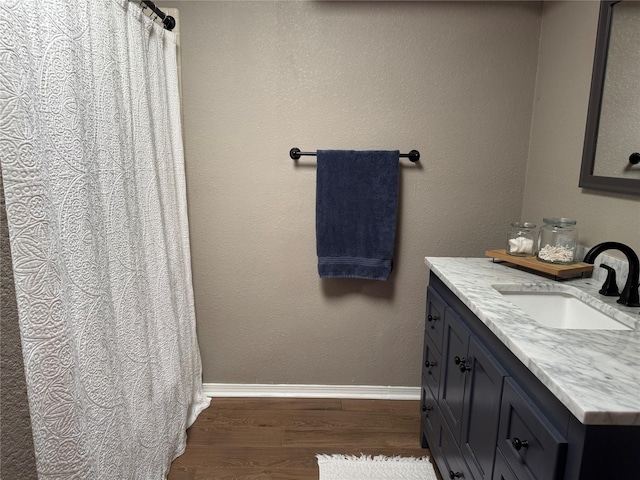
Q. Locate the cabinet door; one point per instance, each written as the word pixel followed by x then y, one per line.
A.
pixel 453 378
pixel 482 410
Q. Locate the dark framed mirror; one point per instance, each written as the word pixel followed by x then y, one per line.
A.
pixel 611 158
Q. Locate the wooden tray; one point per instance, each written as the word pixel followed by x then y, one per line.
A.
pixel 531 263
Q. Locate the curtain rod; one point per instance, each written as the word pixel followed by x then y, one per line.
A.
pixel 295 154
pixel 167 20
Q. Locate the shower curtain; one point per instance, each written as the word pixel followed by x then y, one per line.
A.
pixel 92 163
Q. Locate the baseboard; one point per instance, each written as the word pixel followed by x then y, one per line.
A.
pixel 311 391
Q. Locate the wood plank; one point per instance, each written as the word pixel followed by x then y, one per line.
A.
pixel 245 474
pixel 357 405
pixel 350 437
pixel 308 474
pixel 235 436
pixel 201 457
pixel 302 418
pixel 231 403
pixel 406 422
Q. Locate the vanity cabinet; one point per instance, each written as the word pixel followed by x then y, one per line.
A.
pixel 485 416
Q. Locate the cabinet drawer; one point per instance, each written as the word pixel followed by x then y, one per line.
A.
pixel 429 413
pixel 532 446
pixel 502 471
pixel 448 458
pixel 434 319
pixel 431 365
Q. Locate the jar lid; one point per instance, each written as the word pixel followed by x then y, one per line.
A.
pixel 559 222
pixel 523 225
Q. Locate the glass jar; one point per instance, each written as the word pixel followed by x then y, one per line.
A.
pixel 522 239
pixel 557 241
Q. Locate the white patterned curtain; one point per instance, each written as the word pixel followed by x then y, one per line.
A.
pixel 92 163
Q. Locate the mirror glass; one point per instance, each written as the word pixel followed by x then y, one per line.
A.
pixel 619 129
pixel 611 157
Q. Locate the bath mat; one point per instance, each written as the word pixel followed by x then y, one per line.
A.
pixel 365 467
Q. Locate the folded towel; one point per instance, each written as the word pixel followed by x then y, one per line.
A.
pixel 356 210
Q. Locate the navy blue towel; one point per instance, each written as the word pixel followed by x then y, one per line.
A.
pixel 356 212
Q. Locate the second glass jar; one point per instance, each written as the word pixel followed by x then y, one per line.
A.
pixel 557 241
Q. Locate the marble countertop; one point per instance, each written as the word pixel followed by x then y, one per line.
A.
pixel 594 373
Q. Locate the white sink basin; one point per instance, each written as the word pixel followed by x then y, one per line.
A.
pixel 560 309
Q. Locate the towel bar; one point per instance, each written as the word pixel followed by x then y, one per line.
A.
pixel 295 154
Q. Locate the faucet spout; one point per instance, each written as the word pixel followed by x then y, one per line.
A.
pixel 629 295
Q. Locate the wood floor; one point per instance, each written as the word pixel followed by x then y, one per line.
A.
pixel 278 438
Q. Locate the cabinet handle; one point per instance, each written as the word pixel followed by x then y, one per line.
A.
pixel 453 474
pixel 457 360
pixel 464 367
pixel 519 444
pixel 427 409
pixel 432 318
pixel 429 364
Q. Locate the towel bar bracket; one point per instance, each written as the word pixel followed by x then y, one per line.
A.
pixel 413 155
pixel 294 153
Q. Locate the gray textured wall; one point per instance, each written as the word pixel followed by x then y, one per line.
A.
pixel 17 460
pixel 454 80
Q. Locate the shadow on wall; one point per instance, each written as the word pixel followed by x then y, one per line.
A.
pixel 340 287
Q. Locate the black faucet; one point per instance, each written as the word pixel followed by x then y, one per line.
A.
pixel 629 295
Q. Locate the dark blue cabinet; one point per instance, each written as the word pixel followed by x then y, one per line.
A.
pixel 485 416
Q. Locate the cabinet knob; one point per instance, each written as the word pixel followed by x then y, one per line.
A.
pixel 519 444
pixel 453 474
pixel 429 364
pixel 461 364
pixel 426 408
pixel 431 319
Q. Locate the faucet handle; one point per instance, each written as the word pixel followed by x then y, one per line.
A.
pixel 610 286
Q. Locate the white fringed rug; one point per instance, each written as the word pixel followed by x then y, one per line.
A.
pixel 346 467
